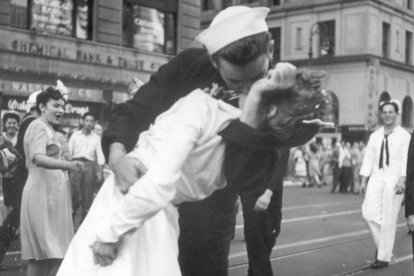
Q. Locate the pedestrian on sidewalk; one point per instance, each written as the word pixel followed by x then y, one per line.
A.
pixel 85 146
pixel 385 164
pixel 314 166
pixel 301 172
pixel 345 165
pixel 10 227
pixel 336 169
pixel 46 221
pixel 11 122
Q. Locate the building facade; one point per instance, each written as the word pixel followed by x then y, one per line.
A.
pixel 95 47
pixel 365 46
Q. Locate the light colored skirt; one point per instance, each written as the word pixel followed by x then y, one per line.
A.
pixel 46 227
pixel 149 250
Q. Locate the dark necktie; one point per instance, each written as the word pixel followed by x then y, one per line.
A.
pixel 387 153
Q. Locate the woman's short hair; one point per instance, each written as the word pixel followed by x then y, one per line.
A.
pixel 305 100
pixel 243 51
pixel 49 94
pixel 11 115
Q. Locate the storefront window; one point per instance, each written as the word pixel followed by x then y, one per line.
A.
pixel 148 29
pixel 51 16
pixel 61 17
pixel 83 19
pixel 18 13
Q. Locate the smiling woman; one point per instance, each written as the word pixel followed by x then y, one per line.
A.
pixel 46 220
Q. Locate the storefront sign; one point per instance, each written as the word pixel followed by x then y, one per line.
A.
pixel 81 52
pixel 80 110
pixel 351 128
pixel 25 88
pixel 20 104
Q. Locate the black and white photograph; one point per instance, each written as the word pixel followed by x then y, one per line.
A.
pixel 206 137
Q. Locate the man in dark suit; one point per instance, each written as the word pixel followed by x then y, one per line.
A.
pixel 409 190
pixel 262 214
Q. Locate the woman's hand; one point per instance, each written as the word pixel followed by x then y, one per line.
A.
pixel 104 253
pixel 410 223
pixel 127 170
pixel 76 165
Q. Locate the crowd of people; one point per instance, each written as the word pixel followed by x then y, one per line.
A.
pixel 212 124
pixel 337 165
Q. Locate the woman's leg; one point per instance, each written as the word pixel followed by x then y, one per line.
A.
pixel 53 266
pixel 37 268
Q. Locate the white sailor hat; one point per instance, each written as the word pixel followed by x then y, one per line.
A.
pixel 232 24
pixel 31 101
pixel 395 102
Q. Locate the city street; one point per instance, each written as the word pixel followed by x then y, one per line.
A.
pixel 322 234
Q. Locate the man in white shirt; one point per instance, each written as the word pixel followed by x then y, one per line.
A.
pixel 85 145
pixel 385 165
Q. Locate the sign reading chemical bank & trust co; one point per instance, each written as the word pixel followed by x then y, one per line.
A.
pixel 84 52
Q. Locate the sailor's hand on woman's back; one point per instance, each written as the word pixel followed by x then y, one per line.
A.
pixel 127 170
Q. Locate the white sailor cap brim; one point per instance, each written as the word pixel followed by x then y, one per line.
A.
pixel 232 24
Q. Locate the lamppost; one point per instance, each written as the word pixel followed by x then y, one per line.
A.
pixel 314 29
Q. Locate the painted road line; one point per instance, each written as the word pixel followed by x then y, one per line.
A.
pixel 363 269
pixel 315 241
pixel 297 207
pixel 314 217
pixel 319 205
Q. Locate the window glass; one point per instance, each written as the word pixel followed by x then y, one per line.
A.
pixel 298 38
pixel 82 19
pixel 18 13
pixel 52 16
pixel 327 38
pixel 148 29
pixel 277 38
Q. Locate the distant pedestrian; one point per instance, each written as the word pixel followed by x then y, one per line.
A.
pixel 10 227
pixel 11 122
pixel 314 166
pixel 385 164
pixel 326 160
pixel 357 159
pixel 10 126
pixel 85 146
pixel 299 158
pixel 345 165
pixel 97 128
pixel 336 170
